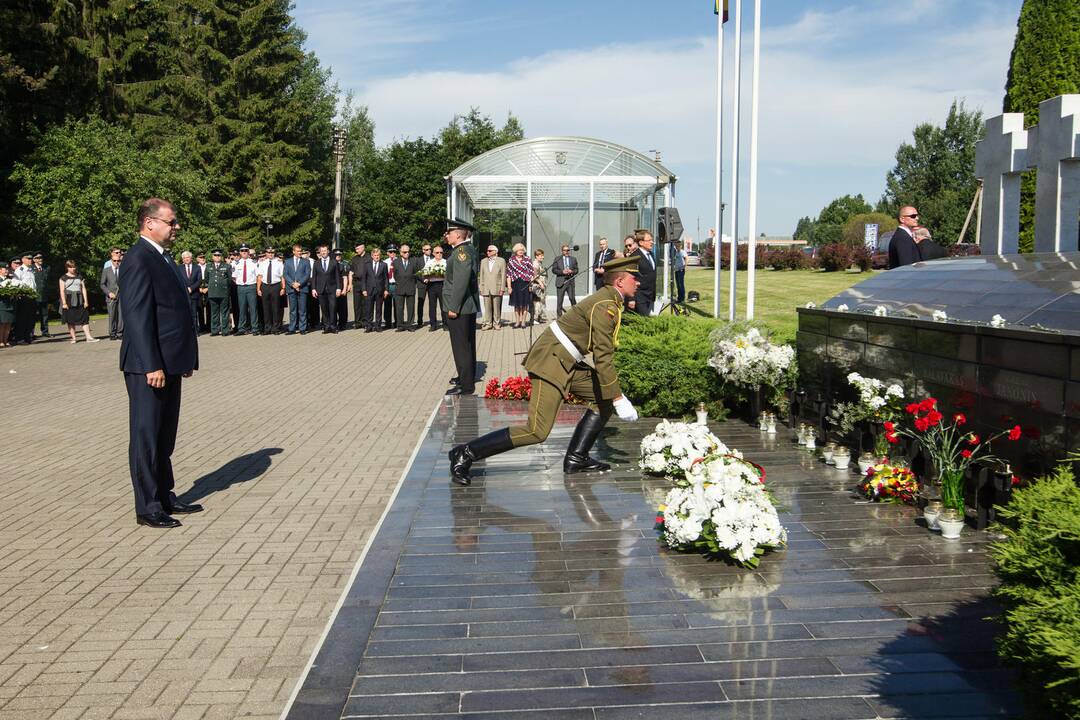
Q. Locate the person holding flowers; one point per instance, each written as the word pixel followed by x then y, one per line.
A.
pixel 519 273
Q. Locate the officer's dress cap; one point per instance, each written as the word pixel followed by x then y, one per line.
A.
pixel 623 264
pixel 244 247
pixel 459 225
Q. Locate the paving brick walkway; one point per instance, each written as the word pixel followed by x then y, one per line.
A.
pixel 532 594
pixel 293 444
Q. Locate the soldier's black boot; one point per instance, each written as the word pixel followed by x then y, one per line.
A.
pixel 577 454
pixel 463 456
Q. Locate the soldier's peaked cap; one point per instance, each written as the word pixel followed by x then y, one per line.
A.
pixel 452 224
pixel 623 264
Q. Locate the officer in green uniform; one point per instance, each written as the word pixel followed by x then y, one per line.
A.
pixel 461 301
pixel 218 275
pixel 556 365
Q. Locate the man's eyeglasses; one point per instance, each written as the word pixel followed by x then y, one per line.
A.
pixel 171 223
pixel 912 215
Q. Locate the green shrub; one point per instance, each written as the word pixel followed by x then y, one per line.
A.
pixel 663 365
pixel 1039 567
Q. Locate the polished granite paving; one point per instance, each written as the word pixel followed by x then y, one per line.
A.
pixel 532 594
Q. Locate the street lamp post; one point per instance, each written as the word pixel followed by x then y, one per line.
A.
pixel 340 137
pixel 268 226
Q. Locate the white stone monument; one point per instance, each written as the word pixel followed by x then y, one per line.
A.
pixel 999 160
pixel 1053 148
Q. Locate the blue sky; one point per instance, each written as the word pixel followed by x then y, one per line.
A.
pixel 842 83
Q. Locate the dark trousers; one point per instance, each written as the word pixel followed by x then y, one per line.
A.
pixel 193 301
pixel 23 329
pixel 327 300
pixel 234 305
pixel 271 304
pixel 680 286
pixel 360 318
pixel 373 311
pixel 153 415
pixel 219 315
pixel 298 311
pixel 463 343
pixel 43 314
pixel 388 309
pixel 342 312
pixel 643 305
pixel 248 312
pixel 204 313
pixel 313 312
pixel 434 295
pixel 116 321
pixel 566 290
pixel 421 295
pixel 405 310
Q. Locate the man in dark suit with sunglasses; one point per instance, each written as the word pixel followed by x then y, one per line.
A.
pixel 902 247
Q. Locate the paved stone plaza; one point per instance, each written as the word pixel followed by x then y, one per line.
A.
pixel 293 444
pixel 528 594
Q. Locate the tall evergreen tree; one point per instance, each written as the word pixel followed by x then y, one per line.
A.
pixel 1045 63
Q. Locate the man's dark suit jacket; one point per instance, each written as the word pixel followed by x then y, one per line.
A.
pixel 902 249
pixel 325 283
pixel 298 272
pixel 158 332
pixel 646 276
pixel 930 250
pixel 194 282
pixel 405 275
pixel 601 257
pixel 558 268
pixel 375 278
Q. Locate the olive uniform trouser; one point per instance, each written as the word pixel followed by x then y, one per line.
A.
pixel 547 398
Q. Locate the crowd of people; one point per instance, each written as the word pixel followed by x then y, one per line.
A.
pixel 245 292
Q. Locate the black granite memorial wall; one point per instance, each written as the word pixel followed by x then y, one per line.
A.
pixel 1026 372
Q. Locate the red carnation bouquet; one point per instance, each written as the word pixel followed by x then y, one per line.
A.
pixel 518 387
pixel 951 448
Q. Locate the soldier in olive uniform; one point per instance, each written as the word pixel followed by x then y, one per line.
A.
pixel 556 365
pixel 218 277
pixel 461 301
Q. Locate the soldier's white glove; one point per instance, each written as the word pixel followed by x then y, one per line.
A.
pixel 625 409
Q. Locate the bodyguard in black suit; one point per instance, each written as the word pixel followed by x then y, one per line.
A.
pixel 643 300
pixel 326 286
pixel 159 349
pixel 192 276
pixel 902 247
pixel 405 269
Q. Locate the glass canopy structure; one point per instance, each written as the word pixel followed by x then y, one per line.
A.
pixel 571 190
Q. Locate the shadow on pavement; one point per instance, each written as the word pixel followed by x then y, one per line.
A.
pixel 238 470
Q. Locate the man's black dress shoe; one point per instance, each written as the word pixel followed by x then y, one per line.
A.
pixel 157 520
pixel 458 390
pixel 455 381
pixel 179 508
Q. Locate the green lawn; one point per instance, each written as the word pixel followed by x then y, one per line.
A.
pixel 778 294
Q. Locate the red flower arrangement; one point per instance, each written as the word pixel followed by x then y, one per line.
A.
pixel 518 387
pixel 951 448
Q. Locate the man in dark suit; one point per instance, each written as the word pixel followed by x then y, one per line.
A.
pixel 326 286
pixel 601 257
pixel 565 270
pixel 928 249
pixel 192 276
pixel 375 284
pixel 405 269
pixel 159 348
pixel 645 296
pixel 110 287
pixel 297 276
pixel 902 247
pixel 357 265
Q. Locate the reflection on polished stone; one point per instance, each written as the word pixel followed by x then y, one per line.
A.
pixel 537 594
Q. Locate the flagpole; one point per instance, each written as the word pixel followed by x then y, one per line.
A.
pixel 733 268
pixel 717 245
pixel 751 226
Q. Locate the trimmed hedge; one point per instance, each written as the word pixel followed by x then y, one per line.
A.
pixel 663 365
pixel 1039 567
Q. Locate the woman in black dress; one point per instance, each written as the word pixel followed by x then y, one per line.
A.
pixel 519 273
pixel 73 303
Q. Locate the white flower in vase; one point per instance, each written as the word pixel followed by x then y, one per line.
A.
pixel 842 308
pixel 810 306
pixel 997 321
pixel 881 311
pixel 940 316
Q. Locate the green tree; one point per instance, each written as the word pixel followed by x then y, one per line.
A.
pixel 804 229
pixel 839 210
pixel 80 189
pixel 936 173
pixel 1045 63
pixel 854 232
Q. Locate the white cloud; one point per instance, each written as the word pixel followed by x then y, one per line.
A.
pixel 838 90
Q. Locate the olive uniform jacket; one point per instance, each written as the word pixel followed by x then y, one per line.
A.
pixel 460 291
pixel 593 326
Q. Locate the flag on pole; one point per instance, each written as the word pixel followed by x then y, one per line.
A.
pixel 717 4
